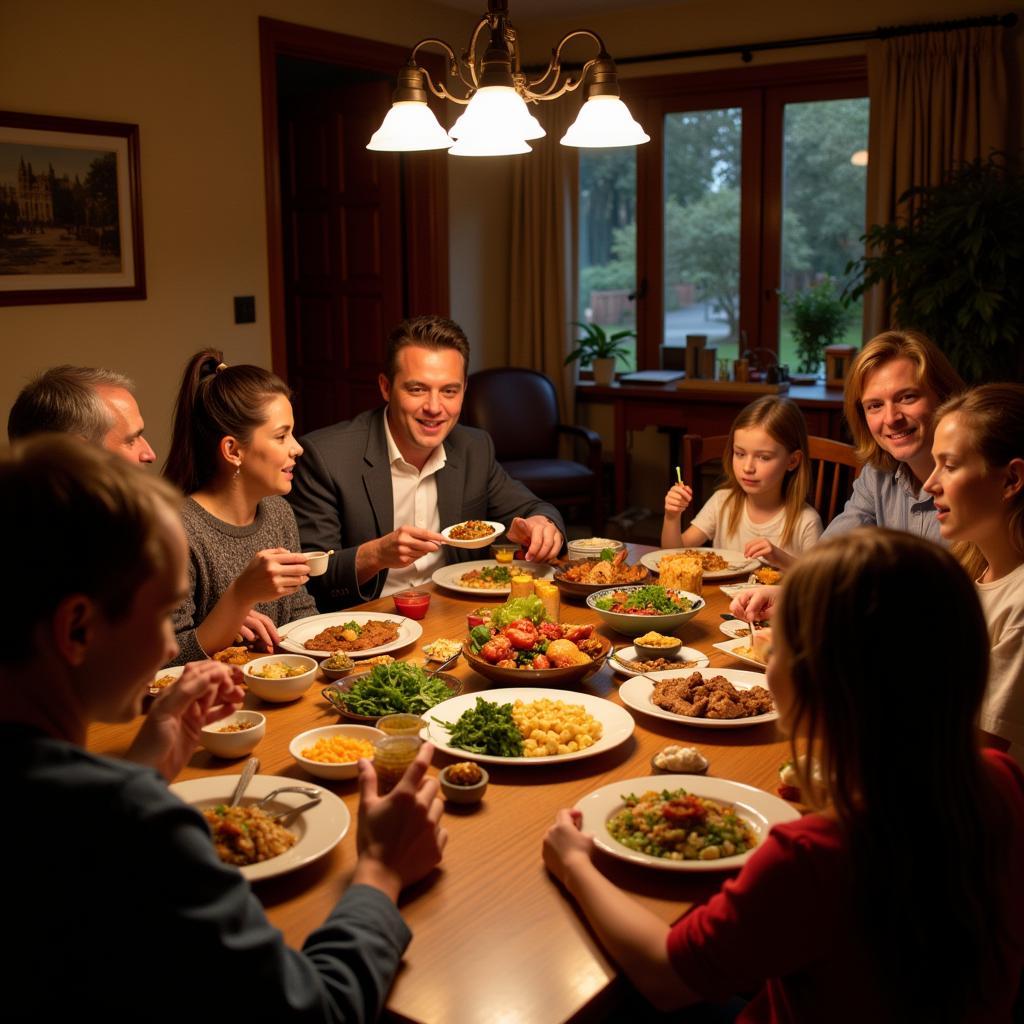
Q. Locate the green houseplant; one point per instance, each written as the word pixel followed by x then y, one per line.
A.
pixel 820 316
pixel 599 350
pixel 956 266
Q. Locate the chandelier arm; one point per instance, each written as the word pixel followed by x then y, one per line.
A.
pixel 469 56
pixel 555 64
pixel 570 84
pixel 440 90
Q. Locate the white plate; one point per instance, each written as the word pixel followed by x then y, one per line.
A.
pixel 301 630
pixel 629 653
pixel 636 693
pixel 738 562
pixel 617 723
pixel 732 589
pixel 480 542
pixel 759 809
pixel 734 628
pixel 729 647
pixel 448 576
pixel 319 829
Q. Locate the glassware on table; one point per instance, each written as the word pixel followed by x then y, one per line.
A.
pixel 391 756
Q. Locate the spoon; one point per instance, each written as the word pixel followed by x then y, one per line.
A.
pixel 445 664
pixel 252 766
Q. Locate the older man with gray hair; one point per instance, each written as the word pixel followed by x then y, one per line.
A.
pixel 96 405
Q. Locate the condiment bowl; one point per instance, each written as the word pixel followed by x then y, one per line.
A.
pixel 316 562
pixel 336 673
pixel 237 743
pixel 463 794
pixel 325 769
pixel 648 651
pixel 281 691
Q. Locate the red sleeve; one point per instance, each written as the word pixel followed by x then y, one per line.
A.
pixel 766 922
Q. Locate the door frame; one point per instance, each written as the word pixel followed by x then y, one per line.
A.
pixel 424 178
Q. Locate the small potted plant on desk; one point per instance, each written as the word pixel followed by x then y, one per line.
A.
pixel 599 350
pixel 820 316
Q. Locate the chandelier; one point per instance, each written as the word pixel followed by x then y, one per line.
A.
pixel 494 90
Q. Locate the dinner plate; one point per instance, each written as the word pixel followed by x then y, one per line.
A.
pixel 319 829
pixel 448 576
pixel 733 628
pixel 732 589
pixel 730 647
pixel 636 693
pixel 759 809
pixel 479 542
pixel 296 633
pixel 629 654
pixel 617 723
pixel 738 562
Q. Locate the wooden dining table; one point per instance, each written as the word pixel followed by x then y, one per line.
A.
pixel 495 937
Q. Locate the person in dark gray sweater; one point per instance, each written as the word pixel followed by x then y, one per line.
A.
pixel 119 903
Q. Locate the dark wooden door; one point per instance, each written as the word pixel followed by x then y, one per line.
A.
pixel 343 248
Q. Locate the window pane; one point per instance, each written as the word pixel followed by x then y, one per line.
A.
pixel 702 227
pixel 823 209
pixel 607 242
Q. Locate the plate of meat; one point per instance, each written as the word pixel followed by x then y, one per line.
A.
pixel 710 698
pixel 358 634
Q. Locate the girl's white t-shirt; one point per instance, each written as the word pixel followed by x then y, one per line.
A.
pixel 711 521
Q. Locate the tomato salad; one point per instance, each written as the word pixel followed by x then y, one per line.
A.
pixel 522 644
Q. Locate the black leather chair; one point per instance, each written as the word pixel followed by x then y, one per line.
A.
pixel 519 409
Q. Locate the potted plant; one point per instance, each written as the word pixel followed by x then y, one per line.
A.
pixel 955 264
pixel 820 316
pixel 599 350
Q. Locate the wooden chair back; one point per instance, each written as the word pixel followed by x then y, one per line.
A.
pixel 834 467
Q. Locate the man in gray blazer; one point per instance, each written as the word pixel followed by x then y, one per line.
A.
pixel 379 488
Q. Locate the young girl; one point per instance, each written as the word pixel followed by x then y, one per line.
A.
pixel 978 486
pixel 233 453
pixel 761 509
pixel 900 898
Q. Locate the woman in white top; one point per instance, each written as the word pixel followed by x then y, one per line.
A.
pixel 978 487
pixel 761 509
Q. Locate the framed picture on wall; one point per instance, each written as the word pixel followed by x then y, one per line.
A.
pixel 70 210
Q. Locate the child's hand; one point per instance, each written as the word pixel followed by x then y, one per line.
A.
pixel 755 604
pixel 678 499
pixel 762 547
pixel 565 844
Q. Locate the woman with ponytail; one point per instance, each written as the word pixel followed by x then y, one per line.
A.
pixel 233 452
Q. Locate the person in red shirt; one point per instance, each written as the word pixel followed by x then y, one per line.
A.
pixel 900 897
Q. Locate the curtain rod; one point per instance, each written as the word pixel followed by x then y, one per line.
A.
pixel 748 50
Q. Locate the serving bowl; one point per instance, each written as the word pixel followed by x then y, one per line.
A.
pixel 237 743
pixel 537 676
pixel 335 695
pixel 636 625
pixel 281 691
pixel 572 589
pixel 331 770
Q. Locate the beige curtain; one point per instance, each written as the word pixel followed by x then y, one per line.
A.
pixel 937 100
pixel 542 285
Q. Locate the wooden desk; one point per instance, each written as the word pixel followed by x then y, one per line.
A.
pixel 494 936
pixel 636 406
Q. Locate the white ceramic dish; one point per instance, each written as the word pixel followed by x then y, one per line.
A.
pixel 730 647
pixel 479 542
pixel 280 691
pixel 296 633
pixel 732 589
pixel 448 576
pixel 617 723
pixel 738 562
pixel 684 654
pixel 733 628
pixel 637 625
pixel 319 829
pixel 174 672
pixel 316 562
pixel 636 693
pixel 323 769
pixel 236 743
pixel 759 809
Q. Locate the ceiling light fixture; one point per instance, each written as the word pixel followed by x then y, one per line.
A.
pixel 496 121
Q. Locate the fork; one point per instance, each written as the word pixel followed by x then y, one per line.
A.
pixel 304 790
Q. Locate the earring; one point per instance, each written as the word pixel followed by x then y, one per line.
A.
pixel 238 471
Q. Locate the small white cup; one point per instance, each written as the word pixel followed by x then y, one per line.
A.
pixel 316 562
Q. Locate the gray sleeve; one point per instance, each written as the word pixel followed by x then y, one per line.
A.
pixel 301 603
pixel 185 624
pixel 860 510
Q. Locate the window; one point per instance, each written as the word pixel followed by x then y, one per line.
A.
pixel 747 187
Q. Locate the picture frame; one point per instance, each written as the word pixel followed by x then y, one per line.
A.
pixel 70 210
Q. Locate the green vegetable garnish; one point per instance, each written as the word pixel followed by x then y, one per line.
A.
pixel 531 608
pixel 650 597
pixel 607 555
pixel 486 728
pixel 478 636
pixel 394 688
pixel 354 626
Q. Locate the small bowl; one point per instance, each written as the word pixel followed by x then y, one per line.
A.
pixel 323 769
pixel 316 562
pixel 281 691
pixel 238 743
pixel 504 553
pixel 648 652
pixel 591 547
pixel 463 794
pixel 336 673
pixel 679 771
pixel 413 604
pixel 174 672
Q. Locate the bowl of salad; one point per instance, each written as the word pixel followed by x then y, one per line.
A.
pixel 633 611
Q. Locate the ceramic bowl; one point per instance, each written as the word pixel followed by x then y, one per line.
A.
pixel 637 625
pixel 538 676
pixel 237 743
pixel 463 794
pixel 331 770
pixel 647 652
pixel 281 691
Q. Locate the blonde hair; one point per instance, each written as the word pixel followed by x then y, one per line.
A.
pixel 994 417
pixel 934 371
pixel 106 516
pixel 784 423
pixel 844 620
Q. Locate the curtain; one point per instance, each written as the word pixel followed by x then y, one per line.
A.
pixel 937 100
pixel 542 286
